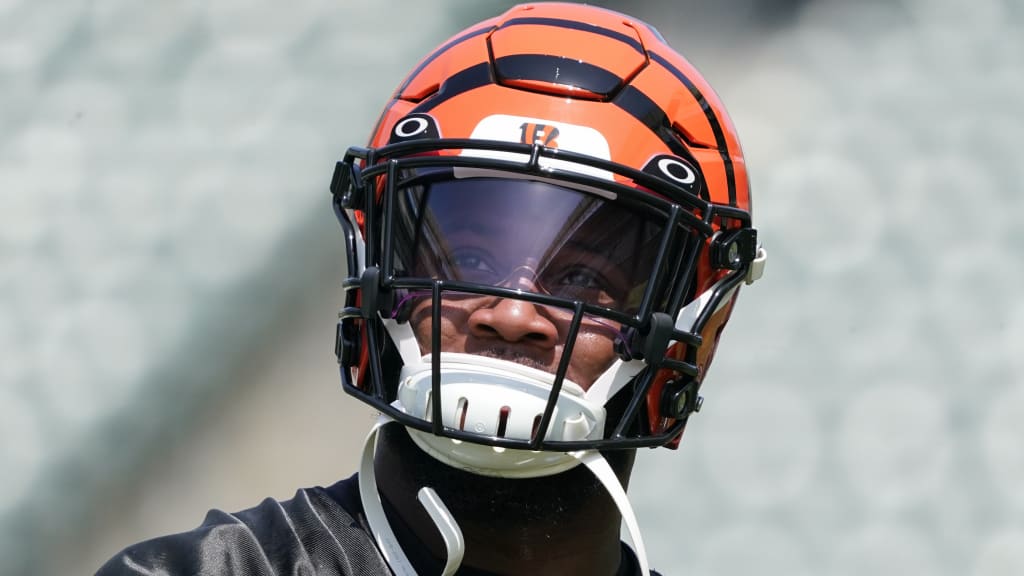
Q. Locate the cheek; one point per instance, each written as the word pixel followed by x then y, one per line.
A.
pixel 422 331
pixel 452 316
pixel 419 319
pixel 593 354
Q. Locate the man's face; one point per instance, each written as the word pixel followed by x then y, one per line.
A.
pixel 517 331
pixel 535 238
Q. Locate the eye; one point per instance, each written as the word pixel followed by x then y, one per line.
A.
pixel 582 277
pixel 584 283
pixel 473 265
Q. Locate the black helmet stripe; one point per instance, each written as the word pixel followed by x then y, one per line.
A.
pixel 558 70
pixel 462 81
pixel 437 53
pixel 647 111
pixel 709 113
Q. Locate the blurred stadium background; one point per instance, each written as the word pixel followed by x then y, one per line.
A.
pixel 170 267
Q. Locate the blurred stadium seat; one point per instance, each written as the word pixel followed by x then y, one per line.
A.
pixel 167 257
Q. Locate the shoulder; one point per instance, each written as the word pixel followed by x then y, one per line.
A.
pixel 318 531
pixel 630 565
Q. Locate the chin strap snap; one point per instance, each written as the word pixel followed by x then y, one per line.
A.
pixel 445 523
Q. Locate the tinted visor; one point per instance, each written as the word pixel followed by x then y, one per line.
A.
pixel 528 235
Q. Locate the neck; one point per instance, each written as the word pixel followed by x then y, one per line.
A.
pixel 561 524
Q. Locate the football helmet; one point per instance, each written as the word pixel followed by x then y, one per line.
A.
pixel 559 156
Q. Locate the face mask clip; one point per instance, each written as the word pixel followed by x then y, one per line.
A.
pixel 347 183
pixel 679 399
pixel 375 298
pixel 733 249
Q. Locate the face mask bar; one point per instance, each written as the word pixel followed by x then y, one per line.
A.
pixel 371 291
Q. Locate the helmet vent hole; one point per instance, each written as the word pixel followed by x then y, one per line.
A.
pixel 536 426
pixel 461 408
pixel 503 415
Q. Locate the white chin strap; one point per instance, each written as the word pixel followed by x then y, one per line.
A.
pixel 454 542
pixel 381 528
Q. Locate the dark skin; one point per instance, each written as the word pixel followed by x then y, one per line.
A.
pixel 557 525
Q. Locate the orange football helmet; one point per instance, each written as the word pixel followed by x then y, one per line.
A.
pixel 548 128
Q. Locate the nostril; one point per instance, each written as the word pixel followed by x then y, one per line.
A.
pixel 487 329
pixel 490 331
pixel 513 320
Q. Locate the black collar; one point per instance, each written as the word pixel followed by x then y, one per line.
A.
pixel 426 563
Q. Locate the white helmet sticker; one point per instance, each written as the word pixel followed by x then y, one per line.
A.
pixel 560 135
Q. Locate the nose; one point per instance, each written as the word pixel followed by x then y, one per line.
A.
pixel 514 320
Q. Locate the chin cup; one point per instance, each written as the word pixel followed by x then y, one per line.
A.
pixel 493 400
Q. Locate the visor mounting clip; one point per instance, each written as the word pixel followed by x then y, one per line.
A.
pixel 733 249
pixel 347 184
pixel 679 400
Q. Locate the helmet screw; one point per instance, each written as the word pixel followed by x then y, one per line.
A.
pixel 674 400
pixel 734 254
pixel 679 402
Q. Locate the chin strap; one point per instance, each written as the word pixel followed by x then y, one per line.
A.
pixel 455 546
pixel 445 523
pixel 381 529
pixel 599 467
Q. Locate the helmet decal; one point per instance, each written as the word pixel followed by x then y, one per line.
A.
pixel 549 133
pixel 680 171
pixel 414 127
pixel 543 134
pixel 531 131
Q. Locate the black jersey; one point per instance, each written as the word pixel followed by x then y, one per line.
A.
pixel 319 531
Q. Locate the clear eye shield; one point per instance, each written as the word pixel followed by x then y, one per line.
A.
pixel 526 235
